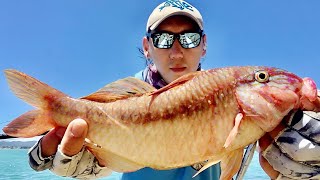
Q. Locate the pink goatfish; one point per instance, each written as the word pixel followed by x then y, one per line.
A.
pixel 207 115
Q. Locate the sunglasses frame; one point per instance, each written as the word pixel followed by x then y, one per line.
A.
pixel 151 34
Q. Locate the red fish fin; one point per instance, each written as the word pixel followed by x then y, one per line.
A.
pixel 112 160
pixel 121 89
pixel 29 124
pixel 234 130
pixel 177 82
pixel 230 164
pixel 206 166
pixel 30 89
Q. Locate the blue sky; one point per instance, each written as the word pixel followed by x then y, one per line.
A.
pixel 79 46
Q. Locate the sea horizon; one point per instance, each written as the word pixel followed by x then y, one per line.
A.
pixel 14 165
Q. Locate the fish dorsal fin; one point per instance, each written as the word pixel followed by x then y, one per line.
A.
pixel 177 82
pixel 121 89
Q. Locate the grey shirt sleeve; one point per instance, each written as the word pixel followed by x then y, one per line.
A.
pixel 295 153
pixel 81 166
pixel 36 161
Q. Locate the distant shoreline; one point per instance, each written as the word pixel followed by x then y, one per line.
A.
pixel 15 147
pixel 6 144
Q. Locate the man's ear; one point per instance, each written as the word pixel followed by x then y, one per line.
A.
pixel 145 45
pixel 204 48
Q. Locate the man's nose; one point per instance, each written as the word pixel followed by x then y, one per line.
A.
pixel 176 50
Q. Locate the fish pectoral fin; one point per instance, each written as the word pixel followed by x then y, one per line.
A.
pixel 177 82
pixel 121 89
pixel 206 166
pixel 230 164
pixel 234 130
pixel 111 160
pixel 29 124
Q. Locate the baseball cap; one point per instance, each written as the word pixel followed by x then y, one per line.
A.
pixel 170 8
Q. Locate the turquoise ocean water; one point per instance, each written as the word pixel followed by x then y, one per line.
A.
pixel 14 165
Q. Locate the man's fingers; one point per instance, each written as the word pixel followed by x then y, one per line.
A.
pixel 273 174
pixel 50 142
pixel 73 140
pixel 264 142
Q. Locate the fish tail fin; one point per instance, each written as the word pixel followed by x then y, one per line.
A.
pixel 29 124
pixel 37 94
pixel 30 90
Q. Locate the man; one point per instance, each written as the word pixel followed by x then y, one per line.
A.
pixel 175 43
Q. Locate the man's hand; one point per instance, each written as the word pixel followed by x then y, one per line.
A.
pixel 292 150
pixel 71 139
pixel 264 142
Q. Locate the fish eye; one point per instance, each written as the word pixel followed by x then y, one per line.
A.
pixel 262 76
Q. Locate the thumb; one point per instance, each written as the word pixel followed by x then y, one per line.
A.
pixel 73 139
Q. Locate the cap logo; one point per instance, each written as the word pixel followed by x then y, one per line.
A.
pixel 176 4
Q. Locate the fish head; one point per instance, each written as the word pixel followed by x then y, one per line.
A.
pixel 267 94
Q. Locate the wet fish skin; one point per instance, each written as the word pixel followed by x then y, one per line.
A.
pixel 132 125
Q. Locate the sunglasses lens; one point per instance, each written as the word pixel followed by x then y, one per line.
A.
pixel 165 40
pixel 190 40
pixel 162 40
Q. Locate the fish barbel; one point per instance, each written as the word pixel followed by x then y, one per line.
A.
pixel 207 115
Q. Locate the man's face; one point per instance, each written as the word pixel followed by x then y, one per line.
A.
pixel 175 61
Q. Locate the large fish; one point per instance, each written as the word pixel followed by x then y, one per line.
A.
pixel 207 115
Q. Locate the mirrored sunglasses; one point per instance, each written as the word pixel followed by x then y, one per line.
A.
pixel 165 40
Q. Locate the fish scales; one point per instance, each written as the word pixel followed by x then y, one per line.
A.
pixel 177 100
pixel 205 115
pixel 122 107
pixel 200 115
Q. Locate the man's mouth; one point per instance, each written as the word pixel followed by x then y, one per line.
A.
pixel 178 69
